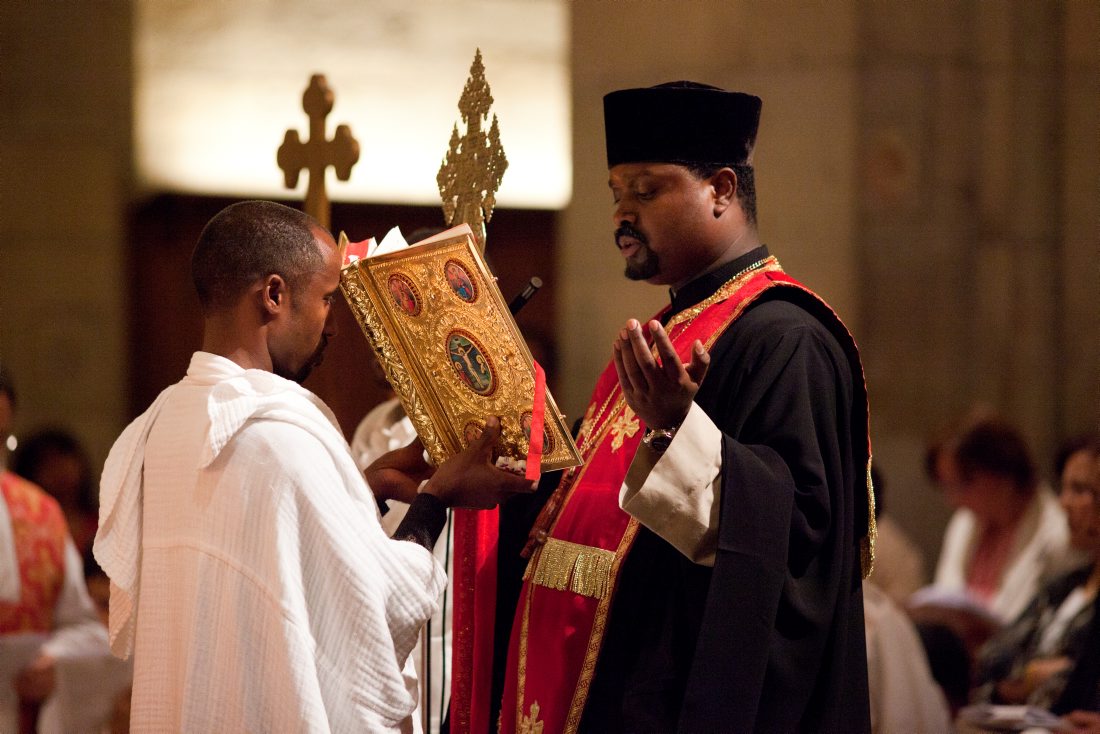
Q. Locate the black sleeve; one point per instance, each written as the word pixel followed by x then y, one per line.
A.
pixel 423 522
pixel 783 401
pixel 785 591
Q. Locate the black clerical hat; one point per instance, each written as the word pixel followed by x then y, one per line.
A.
pixel 680 122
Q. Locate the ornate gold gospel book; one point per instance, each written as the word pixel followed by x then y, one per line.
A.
pixel 451 349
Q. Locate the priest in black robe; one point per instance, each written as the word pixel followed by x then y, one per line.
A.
pixel 735 603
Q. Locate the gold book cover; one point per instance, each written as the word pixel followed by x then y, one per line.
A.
pixel 450 348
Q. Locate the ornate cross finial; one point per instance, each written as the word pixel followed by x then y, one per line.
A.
pixel 475 163
pixel 318 153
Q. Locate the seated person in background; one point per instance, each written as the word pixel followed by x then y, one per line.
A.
pixel 904 695
pixel 55 460
pixel 1050 656
pixel 899 563
pixel 948 661
pixel 1007 531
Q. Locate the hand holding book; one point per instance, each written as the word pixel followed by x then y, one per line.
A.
pixel 466 480
pixel 469 480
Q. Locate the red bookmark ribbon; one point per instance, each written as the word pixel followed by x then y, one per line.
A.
pixel 538 410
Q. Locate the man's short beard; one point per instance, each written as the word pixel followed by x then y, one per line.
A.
pixel 306 369
pixel 644 269
pixel 298 376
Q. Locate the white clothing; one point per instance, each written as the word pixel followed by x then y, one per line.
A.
pixel 677 494
pixel 904 696
pixel 1050 641
pixel 10 584
pixel 250 575
pixel 385 428
pixel 78 635
pixel 1041 543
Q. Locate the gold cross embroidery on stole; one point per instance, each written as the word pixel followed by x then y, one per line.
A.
pixel 530 723
pixel 624 427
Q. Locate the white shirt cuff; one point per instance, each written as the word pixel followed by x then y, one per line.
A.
pixel 676 494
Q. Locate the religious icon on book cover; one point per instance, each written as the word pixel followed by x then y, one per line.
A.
pixel 461 282
pixel 547 436
pixel 471 432
pixel 470 363
pixel 451 349
pixel 404 294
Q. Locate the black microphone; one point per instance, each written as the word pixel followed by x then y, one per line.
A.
pixel 525 295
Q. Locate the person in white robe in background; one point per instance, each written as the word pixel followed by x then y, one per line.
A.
pixel 904 696
pixel 44 667
pixel 251 578
pixel 1008 533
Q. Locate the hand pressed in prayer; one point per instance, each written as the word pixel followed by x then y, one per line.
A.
pixel 659 391
pixel 469 479
pixel 398 474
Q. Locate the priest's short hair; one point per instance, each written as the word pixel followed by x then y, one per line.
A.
pixel 246 242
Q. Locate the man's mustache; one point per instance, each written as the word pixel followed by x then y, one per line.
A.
pixel 625 230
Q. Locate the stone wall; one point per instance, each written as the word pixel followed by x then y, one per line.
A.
pixel 978 262
pixel 65 180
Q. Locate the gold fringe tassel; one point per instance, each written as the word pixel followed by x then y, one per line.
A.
pixel 581 569
pixel 867 542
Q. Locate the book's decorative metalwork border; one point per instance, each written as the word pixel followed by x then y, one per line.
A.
pixel 414 355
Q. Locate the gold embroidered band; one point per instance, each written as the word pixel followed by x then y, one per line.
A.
pixel 562 565
pixel 867 542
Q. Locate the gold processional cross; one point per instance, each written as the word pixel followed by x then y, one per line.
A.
pixel 318 153
pixel 475 163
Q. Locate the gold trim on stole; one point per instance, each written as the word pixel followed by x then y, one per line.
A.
pixel 595 638
pixel 867 542
pixel 582 569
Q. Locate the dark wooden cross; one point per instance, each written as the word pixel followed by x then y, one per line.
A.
pixel 318 153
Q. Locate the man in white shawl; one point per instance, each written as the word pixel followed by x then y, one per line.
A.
pixel 250 577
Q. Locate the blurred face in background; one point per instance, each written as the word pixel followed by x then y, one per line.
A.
pixel 983 493
pixel 62 475
pixel 1080 498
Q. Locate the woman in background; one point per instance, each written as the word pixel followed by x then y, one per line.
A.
pixel 1007 531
